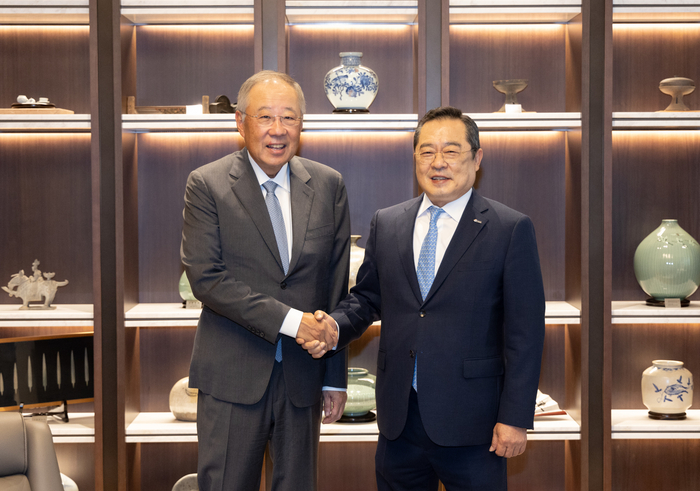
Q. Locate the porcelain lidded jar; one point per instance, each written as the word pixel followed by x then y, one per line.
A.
pixel 667 389
pixel 667 263
pixel 183 400
pixel 351 87
pixel 357 256
pixel 361 398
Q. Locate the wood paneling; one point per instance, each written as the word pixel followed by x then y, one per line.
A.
pixel 655 176
pixel 77 461
pixel 541 467
pixel 165 358
pixel 646 54
pixel 526 171
pixel 376 166
pixel 165 160
pixel 346 466
pixel 656 464
pixel 637 345
pixel 45 198
pixel 480 54
pixel 177 65
pixel 388 50
pixel 45 61
pixel 162 464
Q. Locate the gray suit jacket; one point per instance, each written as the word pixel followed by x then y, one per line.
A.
pixel 478 334
pixel 233 264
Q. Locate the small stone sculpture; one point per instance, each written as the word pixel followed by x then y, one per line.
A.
pixel 34 288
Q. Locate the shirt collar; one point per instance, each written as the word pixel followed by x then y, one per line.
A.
pixel 454 209
pixel 281 179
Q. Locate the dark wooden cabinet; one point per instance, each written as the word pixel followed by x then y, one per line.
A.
pixel 591 161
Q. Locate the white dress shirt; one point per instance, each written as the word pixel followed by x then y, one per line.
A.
pixel 446 224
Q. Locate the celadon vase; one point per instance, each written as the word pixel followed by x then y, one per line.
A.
pixel 361 398
pixel 183 400
pixel 357 255
pixel 667 262
pixel 667 389
pixel 188 299
pixel 351 87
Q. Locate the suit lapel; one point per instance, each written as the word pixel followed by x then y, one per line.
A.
pixel 405 223
pixel 472 222
pixel 302 198
pixel 247 189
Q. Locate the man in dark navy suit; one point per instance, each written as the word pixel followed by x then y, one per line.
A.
pixel 455 279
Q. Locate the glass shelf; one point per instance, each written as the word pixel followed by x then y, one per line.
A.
pixel 636 424
pixel 62 315
pixel 188 11
pixel 513 11
pixel 655 11
pixel 686 120
pixel 44 122
pixel 353 11
pixel 636 312
pixel 38 12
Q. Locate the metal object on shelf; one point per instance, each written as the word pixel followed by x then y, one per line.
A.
pixel 510 88
pixel 677 87
pixel 34 288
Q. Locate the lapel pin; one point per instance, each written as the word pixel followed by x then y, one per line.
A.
pixel 477 221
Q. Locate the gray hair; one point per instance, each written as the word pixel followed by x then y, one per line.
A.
pixel 449 112
pixel 263 76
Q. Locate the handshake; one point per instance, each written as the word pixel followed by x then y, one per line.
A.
pixel 318 333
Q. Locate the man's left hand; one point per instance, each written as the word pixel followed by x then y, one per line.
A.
pixel 333 405
pixel 508 441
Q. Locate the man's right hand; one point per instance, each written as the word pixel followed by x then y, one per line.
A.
pixel 317 333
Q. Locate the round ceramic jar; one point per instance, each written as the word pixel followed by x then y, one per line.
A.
pixel 183 400
pixel 361 398
pixel 667 389
pixel 667 262
pixel 351 87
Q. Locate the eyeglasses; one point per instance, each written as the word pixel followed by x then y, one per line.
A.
pixel 266 120
pixel 449 156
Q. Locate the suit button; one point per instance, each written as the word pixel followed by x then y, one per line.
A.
pixel 412 353
pixel 422 313
pixel 283 285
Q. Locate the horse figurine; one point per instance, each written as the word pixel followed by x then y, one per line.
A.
pixel 34 288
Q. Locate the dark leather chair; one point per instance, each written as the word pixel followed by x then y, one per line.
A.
pixel 27 456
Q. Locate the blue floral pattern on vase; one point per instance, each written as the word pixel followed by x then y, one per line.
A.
pixel 667 389
pixel 351 87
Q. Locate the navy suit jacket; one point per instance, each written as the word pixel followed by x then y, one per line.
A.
pixel 233 264
pixel 478 334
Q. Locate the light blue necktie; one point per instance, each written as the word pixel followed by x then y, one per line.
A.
pixel 275 211
pixel 426 267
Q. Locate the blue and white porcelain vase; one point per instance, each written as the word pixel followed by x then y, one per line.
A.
pixel 667 263
pixel 351 87
pixel 667 389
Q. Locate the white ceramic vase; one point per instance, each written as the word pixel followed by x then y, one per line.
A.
pixel 667 389
pixel 357 255
pixel 183 400
pixel 351 87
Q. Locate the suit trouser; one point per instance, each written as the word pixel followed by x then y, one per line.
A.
pixel 232 440
pixel 414 462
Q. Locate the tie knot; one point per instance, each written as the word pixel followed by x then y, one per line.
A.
pixel 435 213
pixel 270 186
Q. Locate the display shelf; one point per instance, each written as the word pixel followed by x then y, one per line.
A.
pixel 518 11
pixel 656 11
pixel 656 120
pixel 174 315
pixel 188 11
pixel 162 427
pixel 635 312
pixel 62 315
pixel 636 424
pixel 161 315
pixel 527 121
pixel 352 11
pixel 79 429
pixel 140 123
pixel 561 313
pixel 66 12
pixel 44 122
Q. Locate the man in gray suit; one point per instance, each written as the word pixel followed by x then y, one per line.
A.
pixel 266 237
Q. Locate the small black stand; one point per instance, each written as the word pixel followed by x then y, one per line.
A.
pixel 363 418
pixel 351 111
pixel 653 302
pixel 667 417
